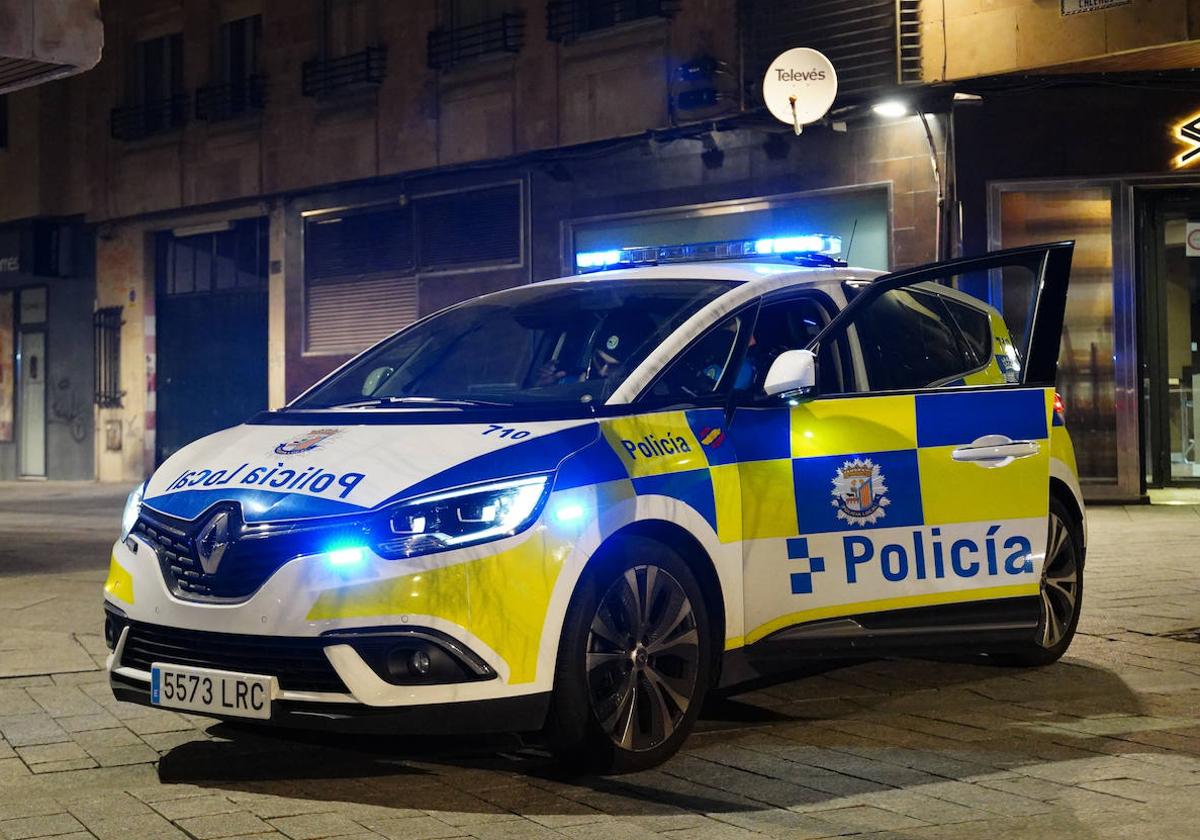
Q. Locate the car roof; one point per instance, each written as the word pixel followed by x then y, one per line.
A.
pixel 763 274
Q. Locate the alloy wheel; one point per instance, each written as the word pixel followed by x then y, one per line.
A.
pixel 643 655
pixel 1060 584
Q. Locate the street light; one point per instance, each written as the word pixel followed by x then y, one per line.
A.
pixel 890 108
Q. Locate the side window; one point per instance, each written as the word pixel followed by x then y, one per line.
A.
pixel 792 325
pixel 943 329
pixel 707 367
pixel 909 341
pixel 975 326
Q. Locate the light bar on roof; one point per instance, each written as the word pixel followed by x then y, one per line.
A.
pixel 809 243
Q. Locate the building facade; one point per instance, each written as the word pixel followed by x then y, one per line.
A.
pixel 267 187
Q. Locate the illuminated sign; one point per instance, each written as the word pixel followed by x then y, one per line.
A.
pixel 1074 7
pixel 1188 132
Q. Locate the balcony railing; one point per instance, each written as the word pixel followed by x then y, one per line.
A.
pixel 134 122
pixel 233 99
pixel 566 20
pixel 325 76
pixel 448 47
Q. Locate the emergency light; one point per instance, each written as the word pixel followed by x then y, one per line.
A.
pixel 809 249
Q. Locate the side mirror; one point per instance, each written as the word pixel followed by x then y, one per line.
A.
pixel 793 372
pixel 375 380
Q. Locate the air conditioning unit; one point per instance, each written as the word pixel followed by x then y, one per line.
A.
pixel 47 39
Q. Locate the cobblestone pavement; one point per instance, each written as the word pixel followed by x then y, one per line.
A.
pixel 1104 744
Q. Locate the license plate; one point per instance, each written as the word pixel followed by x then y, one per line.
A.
pixel 217 692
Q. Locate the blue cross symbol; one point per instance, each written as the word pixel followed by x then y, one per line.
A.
pixel 797 549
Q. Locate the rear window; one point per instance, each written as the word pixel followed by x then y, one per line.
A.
pixel 976 328
pixel 909 341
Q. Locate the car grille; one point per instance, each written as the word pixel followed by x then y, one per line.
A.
pixel 300 664
pixel 246 566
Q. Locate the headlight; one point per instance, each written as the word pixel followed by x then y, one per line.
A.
pixel 133 507
pixel 464 517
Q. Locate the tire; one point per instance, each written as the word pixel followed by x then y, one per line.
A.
pixel 1061 593
pixel 635 662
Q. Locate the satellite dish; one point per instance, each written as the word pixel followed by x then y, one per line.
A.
pixel 800 87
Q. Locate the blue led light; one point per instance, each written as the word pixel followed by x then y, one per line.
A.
pixel 568 512
pixel 823 245
pixel 597 259
pixel 344 557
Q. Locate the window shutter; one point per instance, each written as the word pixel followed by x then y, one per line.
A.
pixel 348 316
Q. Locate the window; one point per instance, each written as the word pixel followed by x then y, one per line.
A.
pixel 456 14
pixel 557 344
pixel 106 331
pixel 348 27
pixel 158 69
pixel 568 19
pixel 239 43
pixel 154 90
pixel 909 341
pixel 706 368
pixel 351 58
pixel 239 86
pixel 227 261
pixel 471 29
pixel 975 328
pixel 792 325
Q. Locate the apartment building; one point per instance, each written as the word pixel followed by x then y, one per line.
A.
pixel 250 191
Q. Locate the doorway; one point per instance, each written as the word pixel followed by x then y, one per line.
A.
pixel 31 404
pixel 1170 254
pixel 211 313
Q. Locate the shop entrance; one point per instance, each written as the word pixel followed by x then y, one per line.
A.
pixel 1171 358
pixel 211 314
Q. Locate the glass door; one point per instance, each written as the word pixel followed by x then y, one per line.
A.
pixel 1171 262
pixel 1028 214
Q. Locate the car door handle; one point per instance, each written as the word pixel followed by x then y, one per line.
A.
pixel 995 450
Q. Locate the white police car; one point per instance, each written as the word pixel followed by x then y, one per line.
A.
pixel 579 505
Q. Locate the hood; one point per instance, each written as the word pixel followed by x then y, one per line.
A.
pixel 281 472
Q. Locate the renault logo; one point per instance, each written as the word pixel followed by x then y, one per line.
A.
pixel 212 542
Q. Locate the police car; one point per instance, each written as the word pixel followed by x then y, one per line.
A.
pixel 576 507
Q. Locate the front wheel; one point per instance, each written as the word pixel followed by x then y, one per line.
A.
pixel 1061 593
pixel 634 664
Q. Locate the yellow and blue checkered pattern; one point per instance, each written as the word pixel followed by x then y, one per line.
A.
pixel 770 473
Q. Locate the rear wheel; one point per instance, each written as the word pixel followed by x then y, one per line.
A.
pixel 635 662
pixel 1061 594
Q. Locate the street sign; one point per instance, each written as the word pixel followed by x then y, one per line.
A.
pixel 800 87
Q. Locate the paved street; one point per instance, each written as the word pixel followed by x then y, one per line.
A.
pixel 1104 744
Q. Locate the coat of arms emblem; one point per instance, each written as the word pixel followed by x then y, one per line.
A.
pixel 859 492
pixel 305 443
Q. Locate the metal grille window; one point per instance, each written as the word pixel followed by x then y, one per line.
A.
pixel 240 87
pixel 326 76
pixel 566 20
pixel 860 37
pixel 451 45
pixel 471 227
pixel 106 329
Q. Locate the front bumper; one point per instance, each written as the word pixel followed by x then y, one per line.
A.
pixel 311 674
pixel 476 717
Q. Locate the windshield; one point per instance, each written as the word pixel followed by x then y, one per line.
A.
pixel 567 343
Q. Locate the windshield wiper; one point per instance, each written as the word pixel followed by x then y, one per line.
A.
pixel 426 402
